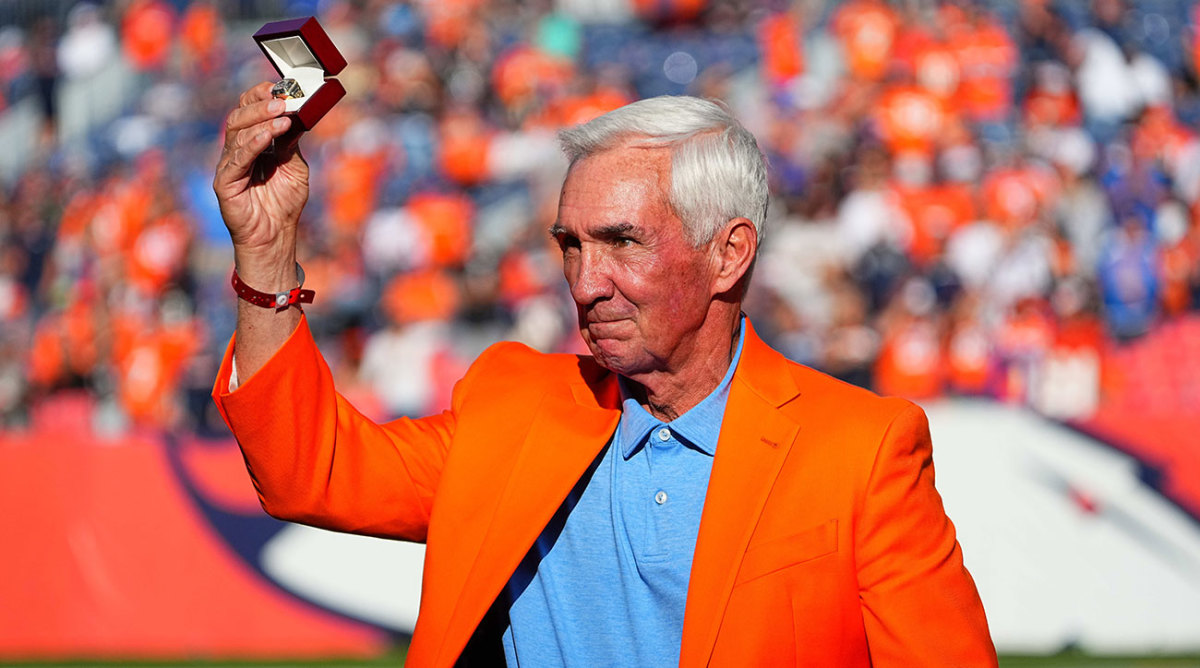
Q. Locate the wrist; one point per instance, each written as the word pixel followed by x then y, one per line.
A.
pixel 267 271
pixel 280 300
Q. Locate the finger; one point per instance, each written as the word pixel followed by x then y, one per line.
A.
pixel 246 137
pixel 256 93
pixel 273 126
pixel 238 161
pixel 235 164
pixel 249 116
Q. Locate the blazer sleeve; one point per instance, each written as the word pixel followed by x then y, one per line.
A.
pixel 314 459
pixel 920 605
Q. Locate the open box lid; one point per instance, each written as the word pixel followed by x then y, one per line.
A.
pixel 300 50
pixel 299 44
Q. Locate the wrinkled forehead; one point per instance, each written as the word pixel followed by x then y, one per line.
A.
pixel 633 149
pixel 616 188
pixel 619 172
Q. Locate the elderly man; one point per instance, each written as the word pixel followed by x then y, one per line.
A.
pixel 684 495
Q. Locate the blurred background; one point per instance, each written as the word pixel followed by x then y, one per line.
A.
pixel 988 207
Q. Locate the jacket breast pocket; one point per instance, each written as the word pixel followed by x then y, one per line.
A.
pixel 779 553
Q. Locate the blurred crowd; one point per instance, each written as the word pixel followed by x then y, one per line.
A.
pixel 971 198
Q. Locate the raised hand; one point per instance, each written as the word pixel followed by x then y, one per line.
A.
pixel 261 184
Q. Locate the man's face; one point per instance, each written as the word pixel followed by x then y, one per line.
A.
pixel 641 290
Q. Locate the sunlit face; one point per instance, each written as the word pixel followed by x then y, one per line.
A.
pixel 641 290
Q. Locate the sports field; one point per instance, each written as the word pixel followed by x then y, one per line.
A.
pixel 396 658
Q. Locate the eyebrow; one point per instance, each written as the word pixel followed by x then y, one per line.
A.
pixel 603 232
pixel 614 230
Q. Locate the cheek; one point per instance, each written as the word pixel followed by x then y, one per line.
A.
pixel 668 295
pixel 685 286
pixel 639 281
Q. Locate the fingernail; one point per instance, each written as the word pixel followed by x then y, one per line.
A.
pixel 279 123
pixel 275 106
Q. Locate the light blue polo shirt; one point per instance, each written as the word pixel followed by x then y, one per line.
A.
pixel 606 582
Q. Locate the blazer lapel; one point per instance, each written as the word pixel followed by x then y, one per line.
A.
pixel 568 432
pixel 755 440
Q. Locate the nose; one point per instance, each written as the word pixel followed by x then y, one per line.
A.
pixel 588 278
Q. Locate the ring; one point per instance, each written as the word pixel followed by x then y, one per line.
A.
pixel 287 89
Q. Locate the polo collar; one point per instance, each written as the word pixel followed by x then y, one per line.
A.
pixel 698 428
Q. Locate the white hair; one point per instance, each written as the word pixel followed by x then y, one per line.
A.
pixel 717 171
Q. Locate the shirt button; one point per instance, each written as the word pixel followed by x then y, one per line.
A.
pixel 660 498
pixel 664 434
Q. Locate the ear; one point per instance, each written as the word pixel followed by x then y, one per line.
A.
pixel 735 246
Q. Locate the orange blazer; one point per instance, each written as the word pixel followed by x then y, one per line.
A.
pixel 822 542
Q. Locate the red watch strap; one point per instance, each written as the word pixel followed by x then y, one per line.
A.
pixel 280 301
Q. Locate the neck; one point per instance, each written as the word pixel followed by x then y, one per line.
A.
pixel 668 393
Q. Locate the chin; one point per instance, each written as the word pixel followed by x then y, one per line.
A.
pixel 617 357
pixel 608 353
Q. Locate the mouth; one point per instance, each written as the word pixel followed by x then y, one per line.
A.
pixel 598 320
pixel 600 313
pixel 605 328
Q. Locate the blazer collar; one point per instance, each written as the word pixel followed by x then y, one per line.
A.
pixel 755 440
pixel 572 423
pixel 765 371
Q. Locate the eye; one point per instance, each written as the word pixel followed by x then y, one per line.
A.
pixel 623 242
pixel 567 242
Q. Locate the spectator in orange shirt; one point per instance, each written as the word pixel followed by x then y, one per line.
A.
pixel 909 118
pixel 159 254
pixel 573 109
pixel 1179 257
pixel 147 33
pixel 988 59
pixel 405 361
pixel 525 73
pixel 780 39
pixel 867 31
pixel 970 362
pixel 1052 102
pixel 937 70
pixel 910 362
pixel 934 209
pixel 1015 196
pixel 151 355
pixel 202 38
pixel 463 149
pixel 352 181
pixel 1024 339
pixel 445 220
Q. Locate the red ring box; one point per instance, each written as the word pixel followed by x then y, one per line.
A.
pixel 301 50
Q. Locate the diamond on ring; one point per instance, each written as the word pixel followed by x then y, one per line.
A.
pixel 287 89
